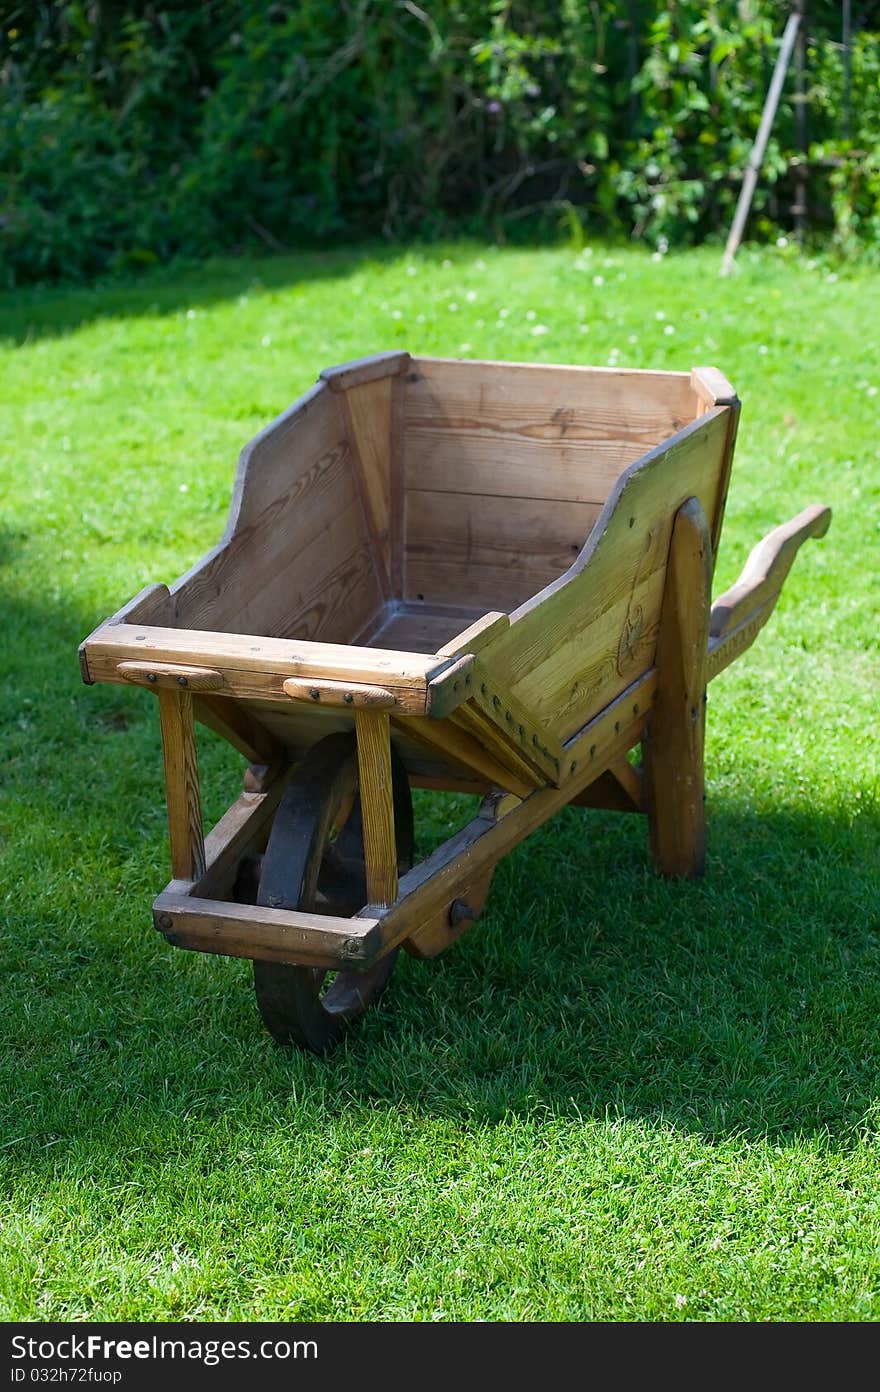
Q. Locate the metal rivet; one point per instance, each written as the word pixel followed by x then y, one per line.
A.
pixel 182 681
pixel 164 921
pixel 509 718
pixel 617 727
pixel 632 521
pixel 573 766
pixel 151 676
pixel 140 637
pixel 483 687
pixel 348 698
pixel 315 693
pixel 496 701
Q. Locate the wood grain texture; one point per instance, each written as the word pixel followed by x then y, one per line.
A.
pixel 255 667
pixel 345 694
pixel 362 370
pixel 458 750
pixel 766 569
pixel 171 674
pixel 530 431
pixel 377 805
pixel 452 539
pixel 571 648
pixel 368 416
pixel 182 784
pixel 477 635
pixel 265 935
pixel 673 749
pixel 296 557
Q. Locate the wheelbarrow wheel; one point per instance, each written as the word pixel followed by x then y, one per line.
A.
pixel 314 861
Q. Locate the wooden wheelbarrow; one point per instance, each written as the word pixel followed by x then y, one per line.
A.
pixel 478 576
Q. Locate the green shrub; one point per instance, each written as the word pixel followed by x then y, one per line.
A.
pixel 134 133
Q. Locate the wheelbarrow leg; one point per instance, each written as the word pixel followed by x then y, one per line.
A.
pixel 182 784
pixel 377 805
pixel 673 750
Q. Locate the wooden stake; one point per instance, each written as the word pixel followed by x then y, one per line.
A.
pixel 756 158
pixel 377 804
pixel 674 745
pixel 182 784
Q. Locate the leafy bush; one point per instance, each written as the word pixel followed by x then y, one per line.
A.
pixel 133 133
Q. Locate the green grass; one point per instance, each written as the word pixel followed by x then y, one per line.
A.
pixel 616 1098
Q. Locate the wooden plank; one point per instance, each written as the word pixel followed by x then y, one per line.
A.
pixel 151 602
pixel 324 592
pixel 396 501
pixel 362 370
pixel 377 805
pixel 181 784
pixel 572 647
pixel 459 749
pixel 352 694
pixel 673 750
pixel 295 485
pixel 454 685
pixel 438 581
pixel 265 935
pixel 477 635
pixel 507 753
pixel 711 388
pixel 171 674
pixel 511 730
pixel 531 539
pixel 256 668
pixel 532 431
pixel 368 416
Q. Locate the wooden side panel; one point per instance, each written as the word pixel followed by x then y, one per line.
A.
pixel 507 467
pixel 529 431
pixel 458 544
pixel 574 647
pixel 296 560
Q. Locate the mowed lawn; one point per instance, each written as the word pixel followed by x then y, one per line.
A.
pixel 616 1098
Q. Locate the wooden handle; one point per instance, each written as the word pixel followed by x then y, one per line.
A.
pixel 766 569
pixel 171 674
pixel 338 693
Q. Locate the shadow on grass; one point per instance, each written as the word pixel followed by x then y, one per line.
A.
pixel 745 1004
pixel 52 311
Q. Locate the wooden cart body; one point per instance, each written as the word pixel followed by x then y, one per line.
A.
pixel 502 569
